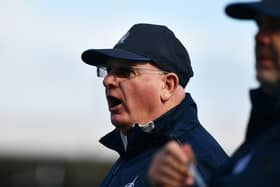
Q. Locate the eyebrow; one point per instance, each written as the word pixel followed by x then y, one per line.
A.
pixel 123 63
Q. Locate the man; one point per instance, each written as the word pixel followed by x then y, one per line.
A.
pixel 144 78
pixel 256 162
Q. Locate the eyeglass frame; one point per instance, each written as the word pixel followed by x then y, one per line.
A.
pixel 102 71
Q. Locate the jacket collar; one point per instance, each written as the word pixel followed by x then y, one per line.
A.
pixel 265 112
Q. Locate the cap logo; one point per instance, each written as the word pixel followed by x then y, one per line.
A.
pixel 121 41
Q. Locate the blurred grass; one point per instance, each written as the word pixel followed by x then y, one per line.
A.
pixel 52 173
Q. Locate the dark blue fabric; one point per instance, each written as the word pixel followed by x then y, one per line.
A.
pixel 262 146
pixel 265 112
pixel 181 124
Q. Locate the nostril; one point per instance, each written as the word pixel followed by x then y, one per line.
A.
pixel 109 81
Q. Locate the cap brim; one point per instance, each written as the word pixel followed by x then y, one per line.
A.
pixel 251 10
pixel 98 57
pixel 243 10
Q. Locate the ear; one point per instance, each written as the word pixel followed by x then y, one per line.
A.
pixel 170 83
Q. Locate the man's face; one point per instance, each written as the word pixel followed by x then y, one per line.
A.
pixel 268 51
pixel 133 92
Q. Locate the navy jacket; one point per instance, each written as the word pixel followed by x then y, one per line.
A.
pixel 181 124
pixel 257 161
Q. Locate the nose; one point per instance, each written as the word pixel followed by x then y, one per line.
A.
pixel 263 37
pixel 110 81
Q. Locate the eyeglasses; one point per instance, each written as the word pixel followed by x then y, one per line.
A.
pixel 127 72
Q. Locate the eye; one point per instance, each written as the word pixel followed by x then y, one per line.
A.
pixel 124 72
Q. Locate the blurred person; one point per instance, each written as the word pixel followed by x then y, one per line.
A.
pixel 145 75
pixel 256 162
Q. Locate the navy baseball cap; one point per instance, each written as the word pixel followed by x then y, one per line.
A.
pixel 155 44
pixel 251 10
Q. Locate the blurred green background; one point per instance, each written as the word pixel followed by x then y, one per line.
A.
pixel 33 172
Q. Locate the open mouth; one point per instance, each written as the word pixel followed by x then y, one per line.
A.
pixel 113 101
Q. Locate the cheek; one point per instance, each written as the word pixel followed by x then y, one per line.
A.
pixel 141 94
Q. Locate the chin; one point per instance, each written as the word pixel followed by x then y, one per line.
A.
pixel 269 84
pixel 268 77
pixel 121 124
